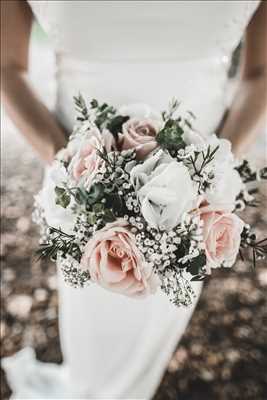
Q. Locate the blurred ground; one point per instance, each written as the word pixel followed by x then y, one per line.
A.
pixel 223 354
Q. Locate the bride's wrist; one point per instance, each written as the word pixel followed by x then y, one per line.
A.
pixel 49 151
pixel 48 154
pixel 59 141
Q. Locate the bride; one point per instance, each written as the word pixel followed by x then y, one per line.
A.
pixel 126 52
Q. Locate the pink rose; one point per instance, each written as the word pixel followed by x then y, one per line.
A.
pixel 222 235
pixel 139 135
pixel 115 262
pixel 87 162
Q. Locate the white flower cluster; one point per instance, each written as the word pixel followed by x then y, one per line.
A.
pixel 192 227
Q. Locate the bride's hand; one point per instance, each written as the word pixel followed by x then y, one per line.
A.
pixel 23 105
pixel 248 111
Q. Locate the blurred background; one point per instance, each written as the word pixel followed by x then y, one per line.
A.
pixel 223 354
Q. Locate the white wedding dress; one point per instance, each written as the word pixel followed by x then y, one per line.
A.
pixel 123 52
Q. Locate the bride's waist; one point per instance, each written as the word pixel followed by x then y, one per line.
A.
pixel 140 81
pixel 198 84
pixel 66 64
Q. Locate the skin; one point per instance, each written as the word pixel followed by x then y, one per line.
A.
pixel 248 111
pixel 32 118
pixel 40 127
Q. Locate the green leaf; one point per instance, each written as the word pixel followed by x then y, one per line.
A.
pixel 62 197
pixel 79 194
pixel 95 194
pixel 171 136
pixel 59 191
pixel 196 264
pixel 104 113
pixel 81 108
pixel 94 103
pixel 109 216
pixel 103 107
pixel 59 242
pixel 91 218
pixel 115 124
pixel 198 278
pixel 115 203
pixel 98 208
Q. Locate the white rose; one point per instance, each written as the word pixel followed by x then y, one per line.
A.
pixel 192 137
pixel 227 183
pixel 55 215
pixel 164 189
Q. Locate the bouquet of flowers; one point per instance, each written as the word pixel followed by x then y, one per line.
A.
pixel 140 200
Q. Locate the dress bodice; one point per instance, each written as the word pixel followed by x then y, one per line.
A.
pixel 144 51
pixel 144 30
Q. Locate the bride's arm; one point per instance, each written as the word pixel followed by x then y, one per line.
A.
pixel 249 108
pixel 29 114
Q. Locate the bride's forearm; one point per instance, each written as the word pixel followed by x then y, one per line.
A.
pixel 248 113
pixel 26 110
pixel 30 115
